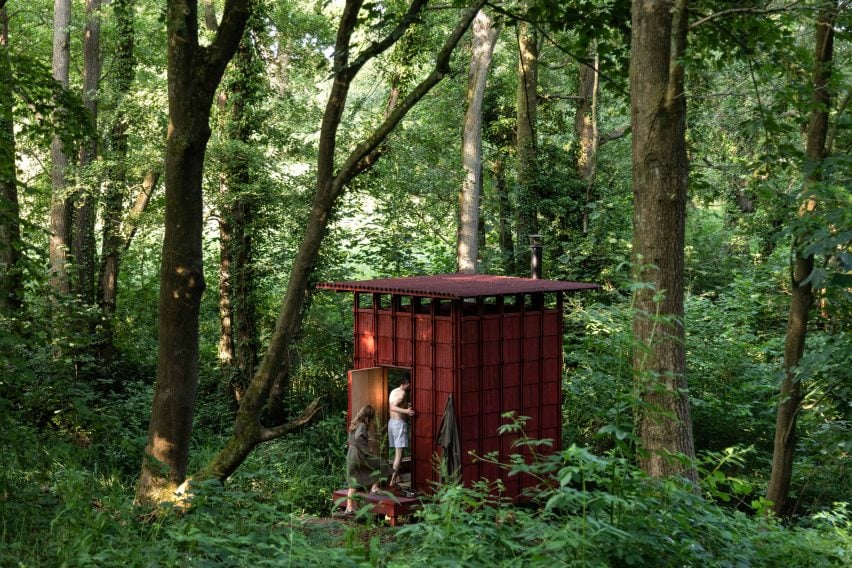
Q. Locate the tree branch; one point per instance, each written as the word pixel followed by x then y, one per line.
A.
pixel 131 223
pixel 306 417
pixel 674 89
pixel 230 31
pixel 614 134
pixel 210 16
pixel 442 67
pixel 832 132
pixel 731 11
pixel 553 42
pixel 378 47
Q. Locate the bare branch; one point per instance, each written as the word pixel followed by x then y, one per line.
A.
pixel 306 417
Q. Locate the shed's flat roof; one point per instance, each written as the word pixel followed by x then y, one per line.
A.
pixel 456 286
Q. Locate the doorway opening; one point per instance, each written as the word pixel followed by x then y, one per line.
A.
pixel 396 377
pixel 373 386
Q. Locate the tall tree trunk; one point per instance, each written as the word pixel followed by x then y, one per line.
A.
pixel 10 227
pixel 484 38
pixel 226 310
pixel 660 173
pixel 245 320
pixel 803 264
pixel 527 109
pixel 248 430
pixel 241 98
pixel 116 182
pixel 83 240
pixel 194 73
pixel 60 204
pixel 586 129
pixel 504 216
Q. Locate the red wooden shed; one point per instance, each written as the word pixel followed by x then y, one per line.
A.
pixel 492 342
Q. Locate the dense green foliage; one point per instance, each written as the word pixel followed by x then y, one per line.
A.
pixel 73 425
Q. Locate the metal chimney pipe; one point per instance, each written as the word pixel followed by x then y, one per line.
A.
pixel 535 256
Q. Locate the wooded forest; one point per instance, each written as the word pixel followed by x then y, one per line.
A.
pixel 176 177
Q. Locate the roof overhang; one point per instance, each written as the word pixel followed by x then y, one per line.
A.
pixel 457 286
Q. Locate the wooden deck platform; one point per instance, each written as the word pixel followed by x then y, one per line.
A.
pixel 390 504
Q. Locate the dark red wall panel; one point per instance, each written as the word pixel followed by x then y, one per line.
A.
pixel 490 424
pixel 532 325
pixel 423 401
pixel 490 400
pixel 512 326
pixel 553 323
pixel 423 329
pixel 364 321
pixel 511 351
pixel 550 392
pixel 470 382
pixel 403 353
pixel 469 429
pixel 470 355
pixel 385 353
pixel 491 329
pixel 551 417
pixel 491 353
pixel 470 406
pixel 552 369
pixel 492 377
pixel 470 331
pixel 444 355
pixel 403 326
pixel 444 331
pixel 444 382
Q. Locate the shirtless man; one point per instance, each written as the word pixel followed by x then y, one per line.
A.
pixel 398 426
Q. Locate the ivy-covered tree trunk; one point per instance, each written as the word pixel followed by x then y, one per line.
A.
pixel 802 267
pixel 527 110
pixel 124 71
pixel 660 172
pixel 241 119
pixel 484 38
pixel 330 182
pixel 60 204
pixel 83 234
pixel 226 310
pixel 10 226
pixel 194 73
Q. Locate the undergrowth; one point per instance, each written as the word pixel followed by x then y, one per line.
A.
pixel 601 511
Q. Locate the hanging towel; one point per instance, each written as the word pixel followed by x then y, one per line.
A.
pixel 448 439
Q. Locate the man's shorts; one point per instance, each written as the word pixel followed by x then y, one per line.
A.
pixel 397 433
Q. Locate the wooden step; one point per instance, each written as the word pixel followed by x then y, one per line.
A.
pixel 387 503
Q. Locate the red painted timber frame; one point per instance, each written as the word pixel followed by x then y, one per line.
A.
pixel 494 354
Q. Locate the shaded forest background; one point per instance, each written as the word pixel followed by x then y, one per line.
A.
pixel 88 201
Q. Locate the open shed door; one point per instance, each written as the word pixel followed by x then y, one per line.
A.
pixel 370 386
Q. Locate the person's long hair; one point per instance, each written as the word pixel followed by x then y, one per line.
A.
pixel 364 416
